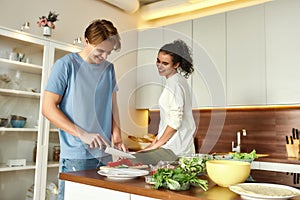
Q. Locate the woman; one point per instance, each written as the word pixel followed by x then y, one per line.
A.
pixel 177 125
pixel 80 99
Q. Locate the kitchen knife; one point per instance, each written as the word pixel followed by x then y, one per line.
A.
pixel 292 142
pixel 294 133
pixel 297 134
pixel 287 139
pixel 118 153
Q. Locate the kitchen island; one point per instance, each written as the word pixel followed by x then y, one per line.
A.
pixel 90 185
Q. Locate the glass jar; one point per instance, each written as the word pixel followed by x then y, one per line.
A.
pixel 56 152
pixel 34 152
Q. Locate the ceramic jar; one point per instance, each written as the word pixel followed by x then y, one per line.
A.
pixel 47 31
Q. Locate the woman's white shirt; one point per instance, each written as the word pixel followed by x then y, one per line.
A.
pixel 176 111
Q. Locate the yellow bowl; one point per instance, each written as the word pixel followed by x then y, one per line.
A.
pixel 227 172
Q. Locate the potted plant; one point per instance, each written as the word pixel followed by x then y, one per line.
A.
pixel 48 23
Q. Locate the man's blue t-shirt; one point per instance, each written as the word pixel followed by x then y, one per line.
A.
pixel 86 91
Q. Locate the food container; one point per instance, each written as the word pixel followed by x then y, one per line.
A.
pixel 56 153
pixel 34 152
pixel 3 122
pixel 149 180
pixel 18 121
pixel 162 164
pixel 227 172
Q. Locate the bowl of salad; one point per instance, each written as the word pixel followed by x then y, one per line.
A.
pixel 238 156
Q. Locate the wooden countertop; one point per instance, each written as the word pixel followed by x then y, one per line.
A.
pixel 278 159
pixel 139 187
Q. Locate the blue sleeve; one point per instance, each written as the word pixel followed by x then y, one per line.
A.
pixel 114 82
pixel 58 79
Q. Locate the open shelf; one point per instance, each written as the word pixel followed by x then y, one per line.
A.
pixel 29 166
pixel 19 93
pixel 3 129
pixel 16 65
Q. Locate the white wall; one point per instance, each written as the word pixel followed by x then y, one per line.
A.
pixel 74 16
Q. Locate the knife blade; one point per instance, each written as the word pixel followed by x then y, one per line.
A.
pixel 118 153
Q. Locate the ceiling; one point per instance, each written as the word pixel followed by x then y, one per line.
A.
pixel 158 9
pixel 145 2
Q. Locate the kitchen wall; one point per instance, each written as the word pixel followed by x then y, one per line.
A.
pixel 266 128
pixel 73 17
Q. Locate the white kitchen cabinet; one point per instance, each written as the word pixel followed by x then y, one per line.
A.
pixel 181 30
pixel 278 167
pixel 282 52
pixel 246 59
pixel 149 83
pixel 209 54
pixel 78 191
pixel 21 94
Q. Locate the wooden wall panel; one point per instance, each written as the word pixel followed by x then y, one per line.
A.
pixel 266 128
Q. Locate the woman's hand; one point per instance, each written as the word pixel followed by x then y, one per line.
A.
pixel 120 146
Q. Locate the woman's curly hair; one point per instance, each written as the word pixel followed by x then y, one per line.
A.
pixel 181 54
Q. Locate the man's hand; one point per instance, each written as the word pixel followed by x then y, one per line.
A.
pixel 94 140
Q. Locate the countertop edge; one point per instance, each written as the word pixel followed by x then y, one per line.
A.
pixel 130 186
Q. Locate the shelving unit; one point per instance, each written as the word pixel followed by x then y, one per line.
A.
pixel 17 98
pixel 21 94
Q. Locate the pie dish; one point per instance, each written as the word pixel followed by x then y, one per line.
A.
pixel 264 191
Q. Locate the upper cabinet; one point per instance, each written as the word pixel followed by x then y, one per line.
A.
pixel 209 77
pixel 282 52
pixel 181 30
pixel 246 59
pixel 149 83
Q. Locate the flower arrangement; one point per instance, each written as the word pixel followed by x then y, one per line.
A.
pixel 48 21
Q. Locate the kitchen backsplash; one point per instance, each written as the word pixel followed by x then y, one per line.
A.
pixel 266 128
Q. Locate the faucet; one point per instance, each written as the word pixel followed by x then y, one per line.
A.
pixel 238 146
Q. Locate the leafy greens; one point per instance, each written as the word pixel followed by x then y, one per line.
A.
pixel 177 179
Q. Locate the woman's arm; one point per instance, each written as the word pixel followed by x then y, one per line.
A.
pixel 168 134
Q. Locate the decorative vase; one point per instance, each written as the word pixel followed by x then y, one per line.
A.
pixel 47 31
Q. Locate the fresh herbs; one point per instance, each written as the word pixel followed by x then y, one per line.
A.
pixel 177 179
